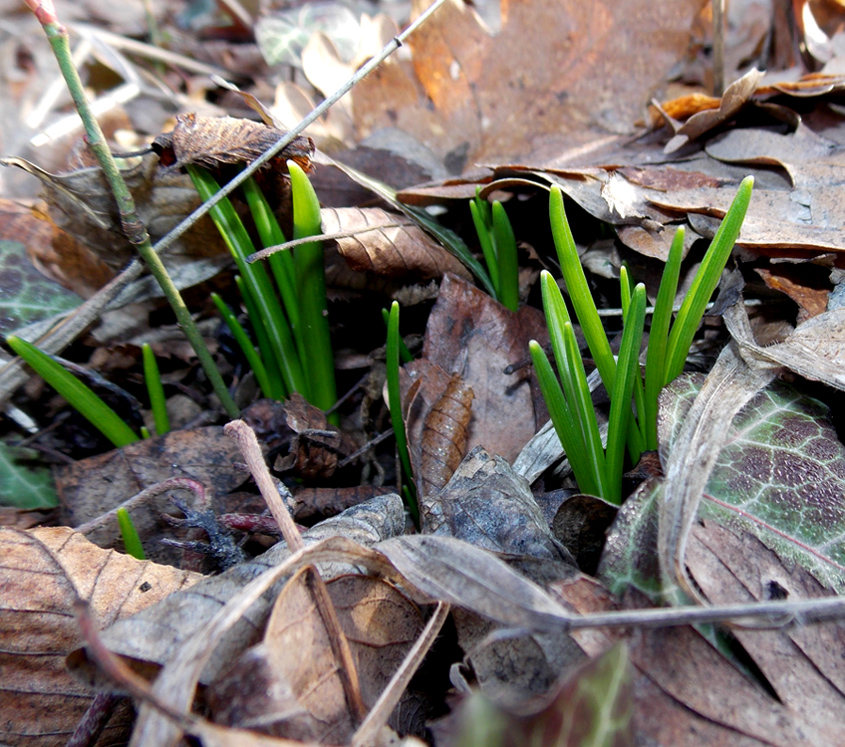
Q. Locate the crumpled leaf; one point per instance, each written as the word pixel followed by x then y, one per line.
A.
pixel 289 685
pixel 488 505
pixel 44 571
pixel 81 204
pixel 156 635
pixel 389 244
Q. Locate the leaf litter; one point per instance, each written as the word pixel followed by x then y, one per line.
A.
pixel 472 408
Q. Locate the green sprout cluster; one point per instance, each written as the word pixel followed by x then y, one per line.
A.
pixel 597 469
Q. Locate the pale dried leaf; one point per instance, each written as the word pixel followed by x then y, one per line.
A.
pixel 157 634
pixel 44 571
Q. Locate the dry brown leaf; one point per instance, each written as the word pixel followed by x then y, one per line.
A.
pixel 44 571
pixel 81 204
pixel 735 98
pixel 289 685
pixel 801 284
pixel 93 486
pixel 471 334
pixel 687 694
pixel 389 244
pixel 464 101
pixel 488 505
pixel 444 437
pixel 156 635
pixel 300 434
pixel 214 141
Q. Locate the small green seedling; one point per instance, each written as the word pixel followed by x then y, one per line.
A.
pixel 394 401
pixel 293 337
pixel 79 395
pixel 597 471
pixel 498 245
pixel 131 540
pixel 155 391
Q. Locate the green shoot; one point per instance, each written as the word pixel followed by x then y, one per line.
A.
pixel 404 353
pixel 78 395
pixel 311 286
pixel 705 282
pixel 658 336
pixel 627 373
pixel 131 540
pixel 268 387
pixel 394 402
pixel 274 373
pixel 600 472
pixel 155 390
pixel 257 282
pixel 498 245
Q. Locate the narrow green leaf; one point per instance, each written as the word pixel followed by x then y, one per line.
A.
pixel 506 258
pixel 638 423
pixel 281 263
pixel 267 386
pixel 627 371
pixel 394 401
pixel 158 404
pixel 311 286
pixel 262 338
pixel 582 406
pixel 260 288
pixel 658 335
pixel 78 395
pixel 482 229
pixel 404 353
pixel 564 423
pixel 705 282
pixel 131 540
pixel 579 291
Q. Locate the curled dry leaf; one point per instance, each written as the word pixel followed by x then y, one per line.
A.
pixel 289 684
pixel 444 437
pixel 300 429
pixel 213 141
pixel 389 244
pixel 80 203
pixel 44 571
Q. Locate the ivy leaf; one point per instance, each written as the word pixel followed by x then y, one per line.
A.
pixel 26 295
pixel 780 476
pixel 25 483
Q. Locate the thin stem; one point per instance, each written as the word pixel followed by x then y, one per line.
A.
pixel 131 224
